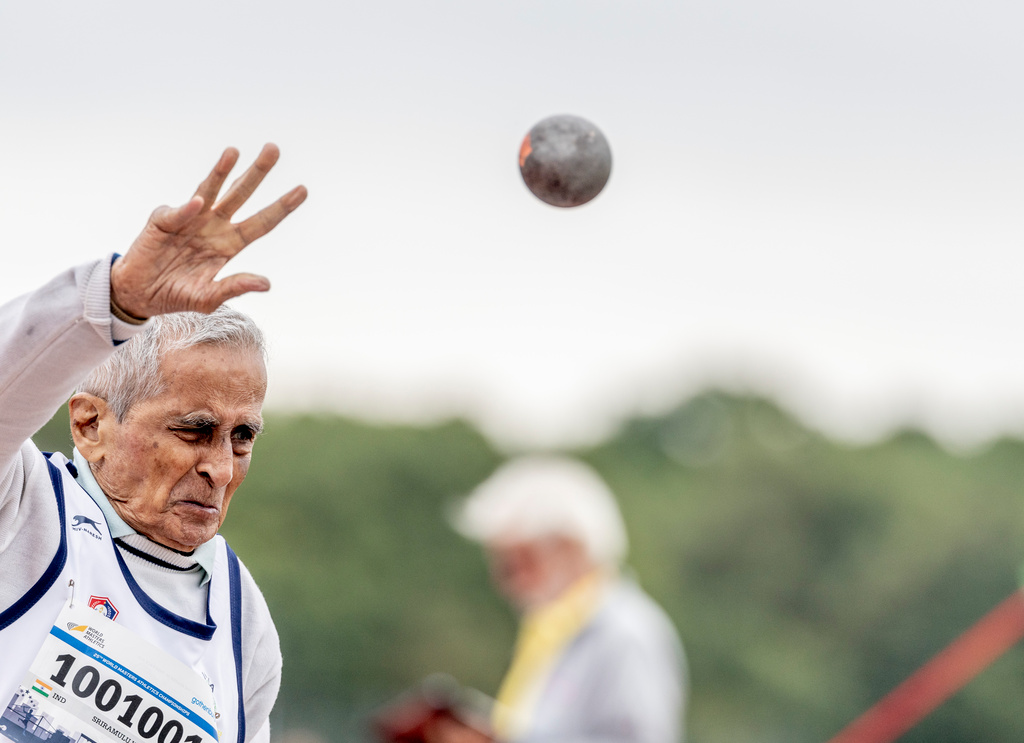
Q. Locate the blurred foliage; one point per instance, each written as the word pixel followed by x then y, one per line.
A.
pixel 807 577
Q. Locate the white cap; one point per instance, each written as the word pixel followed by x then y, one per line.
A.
pixel 540 496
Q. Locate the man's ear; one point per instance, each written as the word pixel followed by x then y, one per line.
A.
pixel 90 423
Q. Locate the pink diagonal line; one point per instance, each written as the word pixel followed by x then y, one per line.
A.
pixel 941 677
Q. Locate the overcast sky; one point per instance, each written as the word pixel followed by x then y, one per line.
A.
pixel 817 200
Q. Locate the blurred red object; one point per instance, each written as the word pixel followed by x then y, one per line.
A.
pixel 941 677
pixel 438 710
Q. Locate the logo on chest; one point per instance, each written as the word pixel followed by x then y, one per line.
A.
pixel 88 525
pixel 103 605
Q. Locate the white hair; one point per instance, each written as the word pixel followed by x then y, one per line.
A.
pixel 542 496
pixel 132 373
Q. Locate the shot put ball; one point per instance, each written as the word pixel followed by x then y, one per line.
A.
pixel 565 160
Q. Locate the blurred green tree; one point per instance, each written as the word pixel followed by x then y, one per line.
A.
pixel 807 576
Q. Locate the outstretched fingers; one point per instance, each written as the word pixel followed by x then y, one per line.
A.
pixel 235 286
pixel 263 221
pixel 242 189
pixel 211 186
pixel 172 265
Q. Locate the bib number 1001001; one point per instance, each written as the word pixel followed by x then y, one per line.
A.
pixel 107 695
pixel 97 680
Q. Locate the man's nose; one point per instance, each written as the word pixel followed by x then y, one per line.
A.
pixel 218 464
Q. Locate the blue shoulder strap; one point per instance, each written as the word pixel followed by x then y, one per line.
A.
pixel 235 583
pixel 16 610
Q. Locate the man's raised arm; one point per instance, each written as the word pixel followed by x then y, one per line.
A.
pixel 52 338
pixel 171 266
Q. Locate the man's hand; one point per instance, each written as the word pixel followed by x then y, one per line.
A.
pixel 172 265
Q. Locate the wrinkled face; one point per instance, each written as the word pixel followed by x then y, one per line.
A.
pixel 531 573
pixel 171 467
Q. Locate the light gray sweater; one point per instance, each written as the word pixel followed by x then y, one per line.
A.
pixel 623 679
pixel 50 339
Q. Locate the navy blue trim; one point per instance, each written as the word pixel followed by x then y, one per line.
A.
pixel 113 258
pixel 235 585
pixel 16 610
pixel 168 618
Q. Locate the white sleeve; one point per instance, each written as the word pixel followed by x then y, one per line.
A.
pixel 262 735
pixel 50 339
pixel 261 660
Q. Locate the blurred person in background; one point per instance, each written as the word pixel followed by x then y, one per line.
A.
pixel 596 658
pixel 163 428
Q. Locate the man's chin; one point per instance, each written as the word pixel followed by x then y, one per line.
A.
pixel 191 533
pixel 186 543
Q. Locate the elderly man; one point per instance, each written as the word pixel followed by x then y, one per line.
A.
pixel 123 615
pixel 596 658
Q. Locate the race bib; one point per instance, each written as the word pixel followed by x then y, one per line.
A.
pixel 94 680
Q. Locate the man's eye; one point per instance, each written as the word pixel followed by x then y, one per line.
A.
pixel 191 434
pixel 242 439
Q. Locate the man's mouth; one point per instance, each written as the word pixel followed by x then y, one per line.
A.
pixel 194 505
